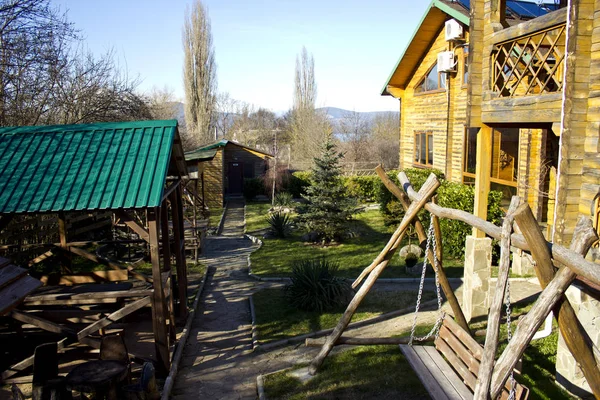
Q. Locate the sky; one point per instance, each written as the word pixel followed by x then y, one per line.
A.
pixel 355 45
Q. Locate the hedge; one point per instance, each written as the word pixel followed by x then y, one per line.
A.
pixel 363 187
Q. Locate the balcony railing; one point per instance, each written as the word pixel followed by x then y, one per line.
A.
pixel 531 64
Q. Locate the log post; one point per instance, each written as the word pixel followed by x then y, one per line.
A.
pixel 427 190
pixel 159 306
pixel 65 259
pixel 575 336
pixel 550 297
pixel 486 366
pixel 177 210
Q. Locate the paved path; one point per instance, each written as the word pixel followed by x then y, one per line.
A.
pixel 218 361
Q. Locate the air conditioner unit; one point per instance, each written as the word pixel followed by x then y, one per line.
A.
pixel 445 61
pixel 453 30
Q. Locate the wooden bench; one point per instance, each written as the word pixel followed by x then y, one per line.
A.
pixel 449 370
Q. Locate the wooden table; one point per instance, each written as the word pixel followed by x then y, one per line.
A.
pixel 98 376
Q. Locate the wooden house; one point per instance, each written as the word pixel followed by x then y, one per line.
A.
pixel 222 167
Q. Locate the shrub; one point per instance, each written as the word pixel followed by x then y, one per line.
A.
pixel 315 286
pixel 283 199
pixel 253 187
pixel 298 182
pixel 280 224
pixel 363 187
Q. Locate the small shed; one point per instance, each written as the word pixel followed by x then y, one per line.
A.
pixel 221 168
pixel 124 168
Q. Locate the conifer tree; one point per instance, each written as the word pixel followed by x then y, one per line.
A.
pixel 329 206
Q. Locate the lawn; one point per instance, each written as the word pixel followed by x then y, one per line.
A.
pixel 382 372
pixel 369 235
pixel 276 319
pixel 214 216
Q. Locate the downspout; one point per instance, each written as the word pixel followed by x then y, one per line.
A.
pixel 562 118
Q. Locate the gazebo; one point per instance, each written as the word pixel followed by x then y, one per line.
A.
pixel 129 169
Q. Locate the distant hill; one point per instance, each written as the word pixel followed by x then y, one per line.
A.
pixel 337 114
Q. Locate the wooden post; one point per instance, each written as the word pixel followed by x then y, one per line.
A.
pixel 65 260
pixel 575 336
pixel 159 306
pixel 486 366
pixel 549 298
pixel 482 175
pixel 166 274
pixel 427 190
pixel 177 211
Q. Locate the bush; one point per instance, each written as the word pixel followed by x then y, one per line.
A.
pixel 298 182
pixel 363 187
pixel 315 286
pixel 253 187
pixel 280 224
pixel 450 195
pixel 283 199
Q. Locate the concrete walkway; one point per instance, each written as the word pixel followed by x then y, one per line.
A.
pixel 218 361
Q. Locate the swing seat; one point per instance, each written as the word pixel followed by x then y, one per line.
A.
pixel 450 372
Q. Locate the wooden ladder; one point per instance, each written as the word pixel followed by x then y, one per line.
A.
pixel 449 371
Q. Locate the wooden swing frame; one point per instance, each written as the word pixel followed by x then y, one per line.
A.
pixel 571 264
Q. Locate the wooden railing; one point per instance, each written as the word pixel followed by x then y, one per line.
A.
pixel 528 59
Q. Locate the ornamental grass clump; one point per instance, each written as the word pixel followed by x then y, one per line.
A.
pixel 284 199
pixel 316 287
pixel 280 224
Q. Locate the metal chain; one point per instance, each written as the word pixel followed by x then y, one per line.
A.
pixel 512 392
pixel 431 242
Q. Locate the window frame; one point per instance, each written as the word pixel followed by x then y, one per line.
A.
pixel 440 88
pixel 465 173
pixel 417 134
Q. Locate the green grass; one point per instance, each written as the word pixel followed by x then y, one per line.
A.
pixel 370 236
pixel 215 216
pixel 382 372
pixel 276 319
pixel 256 216
pixel 373 372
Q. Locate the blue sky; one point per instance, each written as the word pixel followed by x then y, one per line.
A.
pixel 355 44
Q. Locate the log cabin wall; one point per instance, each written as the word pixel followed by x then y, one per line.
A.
pixel 254 166
pixel 213 180
pixel 432 112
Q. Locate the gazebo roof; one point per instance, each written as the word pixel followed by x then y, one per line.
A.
pixel 99 166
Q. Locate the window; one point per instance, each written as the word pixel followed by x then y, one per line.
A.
pixel 433 81
pixel 423 155
pixel 505 162
pixel 470 156
pixel 465 78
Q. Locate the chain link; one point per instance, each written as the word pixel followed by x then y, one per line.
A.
pixel 431 242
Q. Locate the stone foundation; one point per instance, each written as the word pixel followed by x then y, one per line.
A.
pixel 522 263
pixel 478 263
pixel 568 373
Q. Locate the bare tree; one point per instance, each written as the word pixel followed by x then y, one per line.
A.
pixel 226 109
pixel 356 132
pixel 308 128
pixel 386 139
pixel 199 73
pixel 162 104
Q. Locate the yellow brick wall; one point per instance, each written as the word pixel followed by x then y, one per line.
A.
pixel 213 180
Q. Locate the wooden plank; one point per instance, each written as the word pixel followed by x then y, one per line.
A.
pixel 181 265
pixel 464 337
pixel 448 372
pixel 114 317
pixel 113 265
pixel 11 296
pixel 460 350
pixel 434 366
pixel 40 258
pixel 111 294
pixel 423 373
pixel 42 323
pixel 88 277
pixel 133 225
pixel 10 273
pixel 468 376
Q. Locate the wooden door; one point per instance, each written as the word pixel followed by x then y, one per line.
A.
pixel 236 177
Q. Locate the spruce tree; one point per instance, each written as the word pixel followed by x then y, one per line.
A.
pixel 329 206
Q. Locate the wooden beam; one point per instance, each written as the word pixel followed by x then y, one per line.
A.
pixel 179 236
pixel 482 175
pixel 12 295
pixel 114 317
pixel 111 264
pixel 549 298
pixel 570 259
pixel 445 284
pixel 484 377
pixel 170 189
pixel 356 341
pixel 42 323
pixel 524 28
pixel 159 306
pixel 65 260
pixel 132 224
pixel 427 190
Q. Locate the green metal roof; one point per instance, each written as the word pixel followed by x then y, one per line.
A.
pixel 208 151
pixel 200 155
pixel 84 167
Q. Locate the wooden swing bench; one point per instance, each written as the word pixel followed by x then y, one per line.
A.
pixel 449 370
